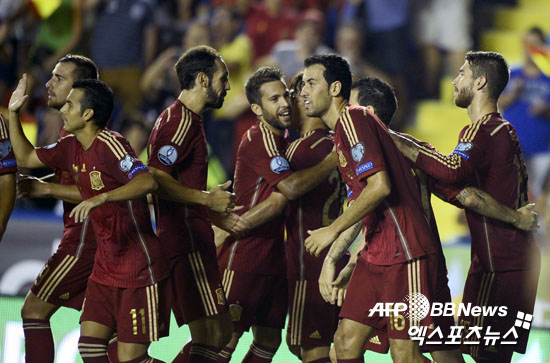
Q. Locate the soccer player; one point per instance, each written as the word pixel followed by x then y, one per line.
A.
pixel 178 160
pixel 311 335
pixel 400 244
pixel 8 167
pixel 63 280
pixel 489 157
pixel 127 290
pixel 254 265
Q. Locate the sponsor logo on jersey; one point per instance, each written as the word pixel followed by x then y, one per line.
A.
pixel 375 340
pixel 126 163
pixel 5 148
pixel 95 180
pixel 168 155
pixel 315 335
pixel 358 151
pixel 64 296
pixel 279 164
pixel 364 167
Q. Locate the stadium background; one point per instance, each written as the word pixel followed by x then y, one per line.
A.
pixel 35 228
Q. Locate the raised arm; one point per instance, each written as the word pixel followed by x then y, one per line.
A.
pixel 138 187
pixel 24 151
pixel 301 182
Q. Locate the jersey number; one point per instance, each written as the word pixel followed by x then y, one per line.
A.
pixel 334 179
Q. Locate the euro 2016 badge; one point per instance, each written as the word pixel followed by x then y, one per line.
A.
pixel 168 155
pixel 95 180
pixel 358 151
pixel 279 164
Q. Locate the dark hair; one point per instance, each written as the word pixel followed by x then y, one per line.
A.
pixel 493 67
pixel 378 94
pixel 297 83
pixel 98 97
pixel 538 32
pixel 261 76
pixel 336 69
pixel 85 68
pixel 198 59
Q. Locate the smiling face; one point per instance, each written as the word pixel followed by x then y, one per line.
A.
pixel 315 91
pixel 463 86
pixel 71 112
pixel 218 87
pixel 275 104
pixel 60 84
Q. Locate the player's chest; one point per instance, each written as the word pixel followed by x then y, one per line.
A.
pixel 90 175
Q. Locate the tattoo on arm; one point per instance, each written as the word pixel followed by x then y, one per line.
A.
pixel 341 245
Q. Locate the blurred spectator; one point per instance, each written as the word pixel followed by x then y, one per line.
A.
pixel 526 104
pixel 349 44
pixel 267 23
pixel 443 33
pixel 289 55
pixel 123 42
pixel 236 49
pixel 58 34
pixel 386 42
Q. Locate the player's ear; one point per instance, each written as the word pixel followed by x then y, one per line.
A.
pixel 480 82
pixel 88 114
pixel 202 80
pixel 335 88
pixel 257 109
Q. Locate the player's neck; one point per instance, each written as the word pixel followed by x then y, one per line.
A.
pixel 86 136
pixel 334 112
pixel 480 107
pixel 310 124
pixel 193 100
pixel 276 131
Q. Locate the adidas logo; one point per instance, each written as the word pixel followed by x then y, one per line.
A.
pixel 315 335
pixel 375 340
pixel 64 296
pixel 490 348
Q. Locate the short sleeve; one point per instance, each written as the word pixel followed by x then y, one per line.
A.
pixel 266 160
pixel 362 138
pixel 126 164
pixel 55 155
pixel 170 145
pixel 8 163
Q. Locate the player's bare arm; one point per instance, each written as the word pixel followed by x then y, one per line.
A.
pixel 260 214
pixel 217 199
pixel 378 187
pixel 340 284
pixel 7 188
pixel 231 223
pixel 481 202
pixel 301 182
pixel 407 146
pixel 337 250
pixel 24 151
pixel 138 187
pixel 32 187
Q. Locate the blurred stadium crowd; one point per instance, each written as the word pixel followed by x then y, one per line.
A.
pixel 409 43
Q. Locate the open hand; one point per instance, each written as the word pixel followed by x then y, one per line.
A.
pixel 19 96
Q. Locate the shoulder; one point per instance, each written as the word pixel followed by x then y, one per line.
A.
pixel 260 141
pixel 112 143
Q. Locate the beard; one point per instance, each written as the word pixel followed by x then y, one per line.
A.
pixel 464 97
pixel 273 120
pixel 213 100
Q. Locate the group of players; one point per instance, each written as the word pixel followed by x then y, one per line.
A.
pixel 273 234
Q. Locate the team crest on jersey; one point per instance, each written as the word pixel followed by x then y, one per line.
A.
pixel 341 158
pixel 95 180
pixel 279 164
pixel 168 155
pixel 235 311
pixel 126 163
pixel 358 151
pixel 5 148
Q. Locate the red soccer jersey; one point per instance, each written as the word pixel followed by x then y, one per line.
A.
pixel 316 209
pixel 75 241
pixel 397 230
pixel 489 157
pixel 177 146
pixel 260 167
pixel 8 164
pixel 128 252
